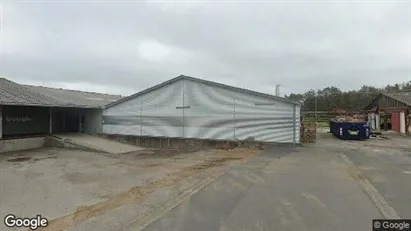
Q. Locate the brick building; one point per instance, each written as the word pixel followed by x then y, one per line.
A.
pixel 391 111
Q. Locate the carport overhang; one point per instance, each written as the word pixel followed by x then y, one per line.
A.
pixel 51 109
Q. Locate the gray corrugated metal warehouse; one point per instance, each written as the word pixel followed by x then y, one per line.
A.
pixel 189 107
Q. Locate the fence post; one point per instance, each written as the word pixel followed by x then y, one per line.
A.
pixel 294 125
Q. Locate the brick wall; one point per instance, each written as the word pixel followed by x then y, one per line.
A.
pixel 395 120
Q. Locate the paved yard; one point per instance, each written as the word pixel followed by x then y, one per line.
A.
pixel 58 183
pixel 282 189
pixel 387 164
pixel 330 185
pixel 310 188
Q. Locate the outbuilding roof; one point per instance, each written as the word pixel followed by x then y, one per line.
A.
pixel 404 97
pixel 12 93
pixel 205 82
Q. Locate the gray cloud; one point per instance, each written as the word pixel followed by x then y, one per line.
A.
pixel 126 47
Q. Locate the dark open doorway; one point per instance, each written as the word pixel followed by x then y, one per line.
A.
pixel 65 120
pixel 72 122
pixel 385 122
pixel 82 123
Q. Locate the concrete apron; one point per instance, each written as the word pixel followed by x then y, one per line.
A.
pixel 53 141
pixel 22 144
pixel 84 142
pixel 94 143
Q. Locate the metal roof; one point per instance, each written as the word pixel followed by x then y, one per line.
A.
pixel 404 97
pixel 205 82
pixel 12 93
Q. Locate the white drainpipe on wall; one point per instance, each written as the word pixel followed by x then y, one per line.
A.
pixel 372 120
pixel 402 122
pixel 377 122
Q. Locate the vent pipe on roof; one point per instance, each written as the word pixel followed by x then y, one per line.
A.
pixel 277 90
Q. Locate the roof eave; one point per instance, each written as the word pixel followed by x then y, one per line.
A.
pixel 49 105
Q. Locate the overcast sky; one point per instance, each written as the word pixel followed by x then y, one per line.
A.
pixel 125 47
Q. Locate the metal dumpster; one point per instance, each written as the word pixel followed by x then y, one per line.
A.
pixel 331 128
pixel 350 130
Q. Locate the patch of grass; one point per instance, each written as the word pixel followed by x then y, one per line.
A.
pixel 320 123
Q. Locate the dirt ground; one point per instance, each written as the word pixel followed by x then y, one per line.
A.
pixel 70 186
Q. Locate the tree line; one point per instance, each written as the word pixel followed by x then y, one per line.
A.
pixel 331 98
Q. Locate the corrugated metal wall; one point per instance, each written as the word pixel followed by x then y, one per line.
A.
pixel 192 109
pixel 211 112
pixel 93 119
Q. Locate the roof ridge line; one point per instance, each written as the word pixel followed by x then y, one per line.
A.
pixel 201 81
pixel 65 89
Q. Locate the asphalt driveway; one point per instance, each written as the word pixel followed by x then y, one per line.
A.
pixel 282 189
pixel 308 188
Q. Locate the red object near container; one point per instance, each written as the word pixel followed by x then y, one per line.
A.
pixel 395 120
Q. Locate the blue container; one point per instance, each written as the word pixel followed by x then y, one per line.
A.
pixel 350 131
pixel 331 124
